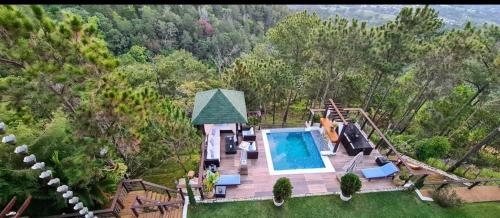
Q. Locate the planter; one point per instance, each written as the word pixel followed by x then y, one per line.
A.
pixel 210 195
pixel 344 198
pixel 278 204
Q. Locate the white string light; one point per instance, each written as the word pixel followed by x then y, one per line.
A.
pixel 21 149
pixel 38 166
pixel 78 206
pixel 45 174
pixel 54 181
pixel 64 189
pixel 9 139
pixel 68 194
pixel 73 200
pixel 29 159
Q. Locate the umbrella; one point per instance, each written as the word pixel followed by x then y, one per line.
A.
pixel 351 165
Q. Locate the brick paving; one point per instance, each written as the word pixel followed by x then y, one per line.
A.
pixel 259 183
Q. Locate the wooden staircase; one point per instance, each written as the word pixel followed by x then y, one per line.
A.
pixel 151 203
pixel 334 115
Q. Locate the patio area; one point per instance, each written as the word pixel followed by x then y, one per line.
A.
pixel 259 183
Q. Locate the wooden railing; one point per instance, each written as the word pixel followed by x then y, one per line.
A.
pixel 121 193
pixel 8 207
pixel 382 139
pixel 469 183
pixel 11 204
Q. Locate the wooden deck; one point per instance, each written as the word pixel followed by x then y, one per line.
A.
pixel 259 183
pixel 131 201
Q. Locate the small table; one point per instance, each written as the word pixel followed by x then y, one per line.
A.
pixel 220 191
pixel 230 145
pixel 381 161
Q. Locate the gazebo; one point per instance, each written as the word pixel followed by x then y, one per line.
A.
pixel 219 106
pixel 215 111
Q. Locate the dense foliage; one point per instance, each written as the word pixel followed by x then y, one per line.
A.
pixel 446 197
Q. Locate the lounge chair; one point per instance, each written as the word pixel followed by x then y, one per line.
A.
pixel 228 180
pixel 387 170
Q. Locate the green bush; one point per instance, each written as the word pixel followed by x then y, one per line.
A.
pixel 437 163
pixel 192 201
pixel 446 197
pixel 435 147
pixel 282 189
pixel 349 184
pixel 316 118
pixel 253 121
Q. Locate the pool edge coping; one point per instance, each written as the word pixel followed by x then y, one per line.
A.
pixel 326 161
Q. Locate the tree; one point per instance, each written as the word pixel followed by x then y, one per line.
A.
pixel 290 37
pixel 489 139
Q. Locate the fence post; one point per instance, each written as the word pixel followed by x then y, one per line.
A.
pixel 473 184
pixel 443 185
pixel 143 186
pixel 182 195
pixel 135 212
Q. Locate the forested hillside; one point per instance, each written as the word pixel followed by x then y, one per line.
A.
pixel 97 92
pixel 216 34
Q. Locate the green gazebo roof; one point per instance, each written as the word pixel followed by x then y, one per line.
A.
pixel 219 106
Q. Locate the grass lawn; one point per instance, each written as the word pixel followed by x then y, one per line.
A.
pixel 384 204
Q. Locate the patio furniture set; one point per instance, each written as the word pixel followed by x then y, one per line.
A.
pixel 248 150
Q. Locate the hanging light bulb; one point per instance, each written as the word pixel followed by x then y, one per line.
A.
pixel 89 215
pixel 62 188
pixel 54 181
pixel 9 139
pixel 21 149
pixel 45 174
pixel 103 152
pixel 29 159
pixel 73 200
pixel 83 211
pixel 2 127
pixel 78 206
pixel 38 166
pixel 68 194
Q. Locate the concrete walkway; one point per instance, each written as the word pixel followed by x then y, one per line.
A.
pixel 476 194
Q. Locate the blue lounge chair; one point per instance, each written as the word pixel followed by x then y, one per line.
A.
pixel 387 170
pixel 227 180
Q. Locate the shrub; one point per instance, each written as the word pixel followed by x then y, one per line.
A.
pixel 349 184
pixel 437 163
pixel 316 118
pixel 446 197
pixel 435 147
pixel 253 121
pixel 192 201
pixel 404 175
pixel 282 189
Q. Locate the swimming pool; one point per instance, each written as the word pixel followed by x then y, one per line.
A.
pixel 293 151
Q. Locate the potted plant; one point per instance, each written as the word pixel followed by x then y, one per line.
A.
pixel 349 184
pixel 209 182
pixel 282 190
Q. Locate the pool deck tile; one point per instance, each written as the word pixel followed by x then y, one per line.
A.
pixel 259 183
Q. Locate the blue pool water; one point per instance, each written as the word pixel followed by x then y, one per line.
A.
pixel 294 150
